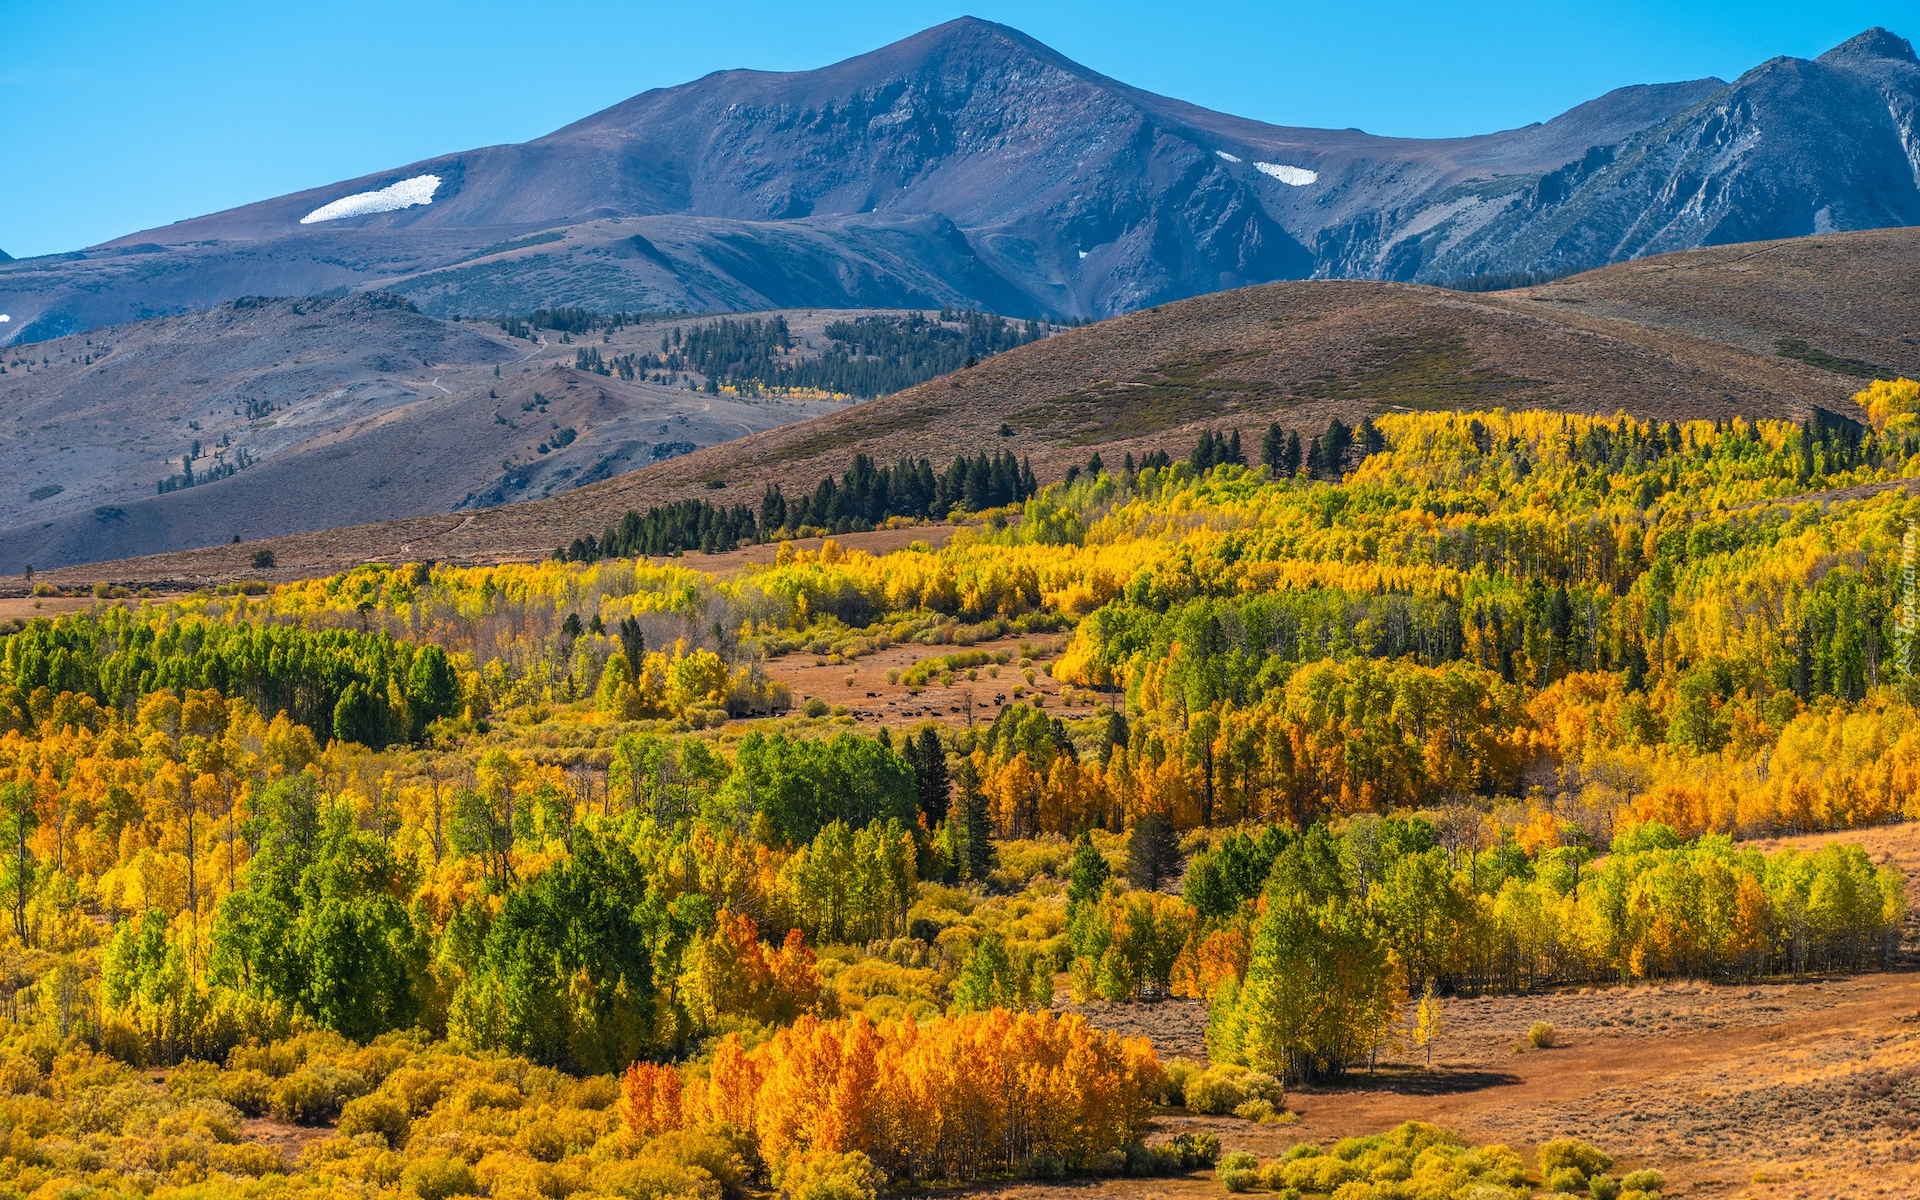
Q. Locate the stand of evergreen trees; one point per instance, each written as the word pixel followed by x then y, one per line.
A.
pixel 864 497
pixel 865 357
pixel 360 687
pixel 669 529
pixel 867 494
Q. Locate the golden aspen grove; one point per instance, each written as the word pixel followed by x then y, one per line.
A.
pixel 539 880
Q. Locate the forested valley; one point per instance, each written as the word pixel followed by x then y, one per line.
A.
pixel 536 880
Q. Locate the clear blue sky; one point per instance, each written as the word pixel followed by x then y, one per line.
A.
pixel 117 116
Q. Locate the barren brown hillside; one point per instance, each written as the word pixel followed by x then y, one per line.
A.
pixel 1767 329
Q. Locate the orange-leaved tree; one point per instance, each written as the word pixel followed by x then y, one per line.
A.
pixel 957 1098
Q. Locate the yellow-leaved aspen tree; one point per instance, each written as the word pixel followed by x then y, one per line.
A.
pixel 1428 1023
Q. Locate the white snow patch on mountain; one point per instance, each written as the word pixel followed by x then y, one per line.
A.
pixel 1228 157
pixel 1297 176
pixel 393 197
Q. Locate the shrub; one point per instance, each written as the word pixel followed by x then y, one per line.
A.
pixel 438 1178
pixel 1256 1110
pixel 1187 1152
pixel 1499 1165
pixel 1413 1159
pixel 1572 1154
pixel 379 1114
pixel 1142 1160
pixel 1321 1173
pixel 823 1175
pixel 1179 1073
pixel 420 1089
pixel 1214 1092
pixel 1238 1179
pixel 648 1178
pixel 1565 1179
pixel 1258 1085
pixel 314 1094
pixel 711 1150
pixel 815 707
pixel 1191 1151
pixel 263 560
pixel 1223 1089
pixel 1602 1188
pixel 1540 1035
pixel 1645 1180
pixel 596 1093
pixel 245 1158
pixel 542 1140
pixel 1047 1164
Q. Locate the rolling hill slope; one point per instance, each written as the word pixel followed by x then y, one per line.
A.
pixel 1697 334
pixel 300 415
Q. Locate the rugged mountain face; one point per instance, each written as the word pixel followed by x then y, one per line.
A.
pixel 1791 148
pixel 971 164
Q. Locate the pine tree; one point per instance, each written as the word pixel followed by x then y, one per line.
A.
pixel 973 828
pixel 929 760
pixel 1273 448
pixel 1086 874
pixel 1370 439
pixel 1206 454
pixel 1153 851
pixel 633 643
pixel 1333 447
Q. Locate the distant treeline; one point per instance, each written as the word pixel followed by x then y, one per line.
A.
pixel 1506 281
pixel 573 320
pixel 1326 456
pixel 865 356
pixel 864 497
pixel 866 494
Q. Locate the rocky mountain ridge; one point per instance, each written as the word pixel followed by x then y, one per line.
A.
pixel 971 164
